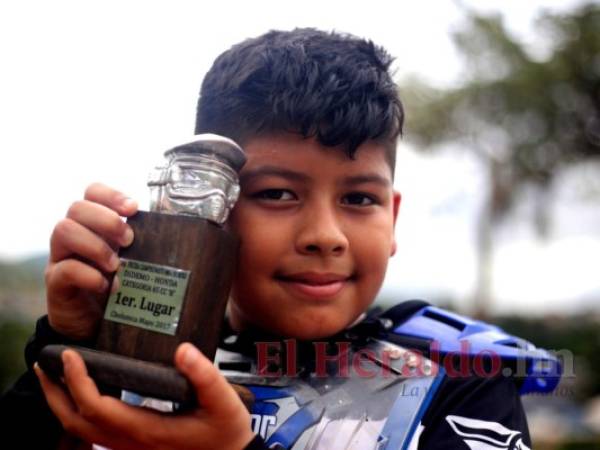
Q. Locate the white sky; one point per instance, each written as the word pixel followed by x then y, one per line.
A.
pixel 96 91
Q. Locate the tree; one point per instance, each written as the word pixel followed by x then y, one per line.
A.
pixel 525 118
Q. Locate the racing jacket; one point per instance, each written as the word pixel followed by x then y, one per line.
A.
pixel 413 377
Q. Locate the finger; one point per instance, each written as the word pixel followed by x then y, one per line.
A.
pixel 106 412
pixel 213 391
pixel 63 407
pixel 71 238
pixel 58 400
pixel 78 382
pixel 111 198
pixel 73 274
pixel 66 411
pixel 102 221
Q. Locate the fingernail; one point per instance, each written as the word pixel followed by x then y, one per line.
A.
pixel 190 356
pixel 116 284
pixel 104 285
pixel 66 360
pixel 113 262
pixel 127 237
pixel 129 203
pixel 36 368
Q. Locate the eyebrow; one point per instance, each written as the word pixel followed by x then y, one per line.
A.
pixel 263 171
pixel 289 174
pixel 367 178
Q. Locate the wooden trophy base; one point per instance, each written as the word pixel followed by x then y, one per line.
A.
pixel 114 372
pixel 174 284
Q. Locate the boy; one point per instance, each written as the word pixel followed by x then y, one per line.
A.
pixel 318 116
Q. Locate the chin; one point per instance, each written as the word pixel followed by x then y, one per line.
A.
pixel 312 331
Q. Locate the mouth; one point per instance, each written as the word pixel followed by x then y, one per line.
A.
pixel 314 284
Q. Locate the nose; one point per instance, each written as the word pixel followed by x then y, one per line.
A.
pixel 321 233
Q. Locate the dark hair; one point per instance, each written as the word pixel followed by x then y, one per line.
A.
pixel 334 87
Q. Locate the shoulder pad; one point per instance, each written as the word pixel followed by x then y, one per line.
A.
pixel 449 333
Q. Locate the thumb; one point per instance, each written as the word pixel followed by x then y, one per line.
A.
pixel 213 391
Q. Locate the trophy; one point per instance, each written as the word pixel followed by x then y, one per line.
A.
pixel 174 280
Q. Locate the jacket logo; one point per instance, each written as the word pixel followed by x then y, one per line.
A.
pixel 261 424
pixel 485 435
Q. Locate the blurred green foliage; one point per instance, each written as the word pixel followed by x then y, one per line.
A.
pixel 21 294
pixel 581 446
pixel 579 334
pixel 529 112
pixel 571 445
pixel 26 274
pixel 525 112
pixel 14 333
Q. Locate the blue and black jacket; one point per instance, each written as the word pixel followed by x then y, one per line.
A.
pixel 415 376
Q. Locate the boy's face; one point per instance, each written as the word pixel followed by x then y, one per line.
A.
pixel 316 231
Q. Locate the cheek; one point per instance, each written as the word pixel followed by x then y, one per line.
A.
pixel 261 247
pixel 371 256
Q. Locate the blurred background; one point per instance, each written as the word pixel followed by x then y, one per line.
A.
pixel 499 165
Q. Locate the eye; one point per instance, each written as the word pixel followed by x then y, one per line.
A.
pixel 359 199
pixel 281 195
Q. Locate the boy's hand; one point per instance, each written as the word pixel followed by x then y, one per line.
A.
pixel 83 254
pixel 222 422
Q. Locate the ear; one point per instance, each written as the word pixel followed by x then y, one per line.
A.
pixel 397 199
